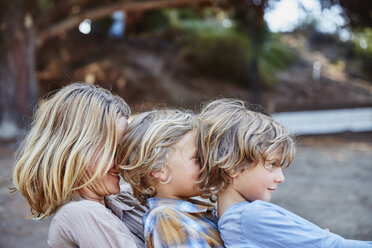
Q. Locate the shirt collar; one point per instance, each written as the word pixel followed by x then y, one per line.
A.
pixel 190 206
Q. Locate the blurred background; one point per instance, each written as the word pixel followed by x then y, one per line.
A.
pixel 306 62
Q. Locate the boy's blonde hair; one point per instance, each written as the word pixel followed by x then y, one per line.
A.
pixel 149 138
pixel 72 130
pixel 232 138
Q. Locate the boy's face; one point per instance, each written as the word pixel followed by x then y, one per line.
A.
pixel 184 167
pixel 259 182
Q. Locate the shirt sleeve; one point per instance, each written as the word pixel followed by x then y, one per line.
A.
pixel 268 225
pixel 89 225
pixel 170 231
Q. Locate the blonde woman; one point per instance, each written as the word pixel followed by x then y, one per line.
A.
pixel 66 166
pixel 163 170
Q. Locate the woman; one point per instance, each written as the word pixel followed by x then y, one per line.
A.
pixel 66 166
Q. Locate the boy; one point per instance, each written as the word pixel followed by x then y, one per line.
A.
pixel 242 154
pixel 160 162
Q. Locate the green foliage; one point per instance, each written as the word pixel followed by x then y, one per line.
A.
pixel 154 23
pixel 363 42
pixel 45 5
pixel 218 53
pixel 217 50
pixel 227 53
pixel 363 49
pixel 163 21
pixel 275 55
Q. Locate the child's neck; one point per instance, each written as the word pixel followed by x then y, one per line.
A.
pixel 169 195
pixel 226 199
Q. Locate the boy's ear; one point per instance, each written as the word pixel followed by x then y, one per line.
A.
pixel 161 175
pixel 233 173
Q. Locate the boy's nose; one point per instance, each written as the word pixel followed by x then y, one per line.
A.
pixel 279 177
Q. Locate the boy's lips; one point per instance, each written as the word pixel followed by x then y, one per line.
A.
pixel 271 189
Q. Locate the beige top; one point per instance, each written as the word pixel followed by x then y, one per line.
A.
pixel 83 223
pixel 129 210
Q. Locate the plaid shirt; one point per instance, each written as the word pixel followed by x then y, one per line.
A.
pixel 177 223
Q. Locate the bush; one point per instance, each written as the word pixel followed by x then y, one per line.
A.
pixel 227 53
pixel 363 49
pixel 215 50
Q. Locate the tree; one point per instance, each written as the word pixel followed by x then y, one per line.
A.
pixel 358 12
pixel 17 65
pixel 26 25
pixel 250 17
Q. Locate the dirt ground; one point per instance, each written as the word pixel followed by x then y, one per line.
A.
pixel 329 183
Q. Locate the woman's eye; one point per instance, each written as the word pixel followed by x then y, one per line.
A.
pixel 196 158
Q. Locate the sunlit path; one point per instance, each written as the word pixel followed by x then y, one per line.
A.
pixel 327 121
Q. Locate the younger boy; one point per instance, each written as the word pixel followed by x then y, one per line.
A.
pixel 159 160
pixel 242 154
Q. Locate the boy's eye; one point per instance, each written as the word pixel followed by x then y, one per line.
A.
pixel 271 165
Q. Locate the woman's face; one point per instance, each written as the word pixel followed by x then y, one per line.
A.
pixel 109 184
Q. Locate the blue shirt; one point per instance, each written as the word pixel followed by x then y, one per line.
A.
pixel 177 223
pixel 266 225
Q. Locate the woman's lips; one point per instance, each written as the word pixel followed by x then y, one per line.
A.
pixel 115 174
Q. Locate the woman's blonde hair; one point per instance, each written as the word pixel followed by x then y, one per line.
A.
pixel 232 138
pixel 147 141
pixel 72 130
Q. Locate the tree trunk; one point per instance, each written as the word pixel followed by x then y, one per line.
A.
pixel 250 16
pixel 17 67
